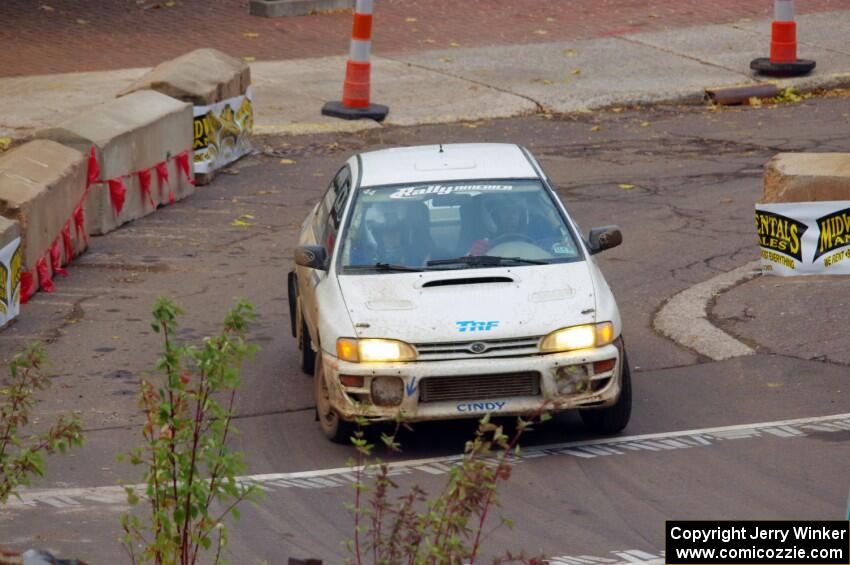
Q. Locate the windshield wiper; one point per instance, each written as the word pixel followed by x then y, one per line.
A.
pixel 484 261
pixel 385 267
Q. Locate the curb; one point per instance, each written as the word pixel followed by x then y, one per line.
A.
pixel 684 318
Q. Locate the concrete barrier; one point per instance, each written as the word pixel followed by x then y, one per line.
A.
pixel 202 77
pixel 41 185
pixel 807 177
pixel 132 135
pixel 218 87
pixel 10 270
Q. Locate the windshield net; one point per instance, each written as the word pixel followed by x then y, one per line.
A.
pixel 416 225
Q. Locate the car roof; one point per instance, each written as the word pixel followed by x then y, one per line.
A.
pixel 449 162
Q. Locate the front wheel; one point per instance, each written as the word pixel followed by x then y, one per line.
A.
pixel 335 428
pixel 615 418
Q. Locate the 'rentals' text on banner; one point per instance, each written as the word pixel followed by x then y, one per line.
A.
pixel 804 238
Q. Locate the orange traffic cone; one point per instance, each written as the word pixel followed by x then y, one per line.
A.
pixel 783 61
pixel 355 91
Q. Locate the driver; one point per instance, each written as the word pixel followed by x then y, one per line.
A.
pixel 510 217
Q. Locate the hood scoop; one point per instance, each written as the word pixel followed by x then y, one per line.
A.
pixel 468 280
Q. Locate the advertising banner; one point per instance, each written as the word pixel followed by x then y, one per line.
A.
pixel 804 238
pixel 10 280
pixel 222 132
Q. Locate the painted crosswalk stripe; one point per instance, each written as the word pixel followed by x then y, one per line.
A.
pixel 622 446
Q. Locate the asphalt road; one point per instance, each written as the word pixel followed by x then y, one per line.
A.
pixel 681 183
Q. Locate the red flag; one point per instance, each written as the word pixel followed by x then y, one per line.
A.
pixel 145 183
pixel 67 243
pixel 56 259
pixel 183 165
pixel 117 194
pixel 44 277
pixel 94 168
pixel 27 287
pixel 162 176
pixel 80 223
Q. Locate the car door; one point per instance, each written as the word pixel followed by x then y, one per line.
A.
pixel 324 226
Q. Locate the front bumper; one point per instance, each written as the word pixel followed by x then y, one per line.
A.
pixel 351 402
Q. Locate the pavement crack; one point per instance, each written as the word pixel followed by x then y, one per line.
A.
pixel 539 106
pixel 632 39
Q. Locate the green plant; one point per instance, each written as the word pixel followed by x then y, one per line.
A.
pixel 23 457
pixel 190 472
pixel 448 528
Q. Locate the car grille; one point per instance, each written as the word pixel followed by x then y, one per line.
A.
pixel 513 347
pixel 478 387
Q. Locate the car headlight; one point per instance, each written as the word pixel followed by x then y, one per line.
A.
pixel 374 350
pixel 578 337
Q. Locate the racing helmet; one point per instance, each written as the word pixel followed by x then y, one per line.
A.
pixel 504 209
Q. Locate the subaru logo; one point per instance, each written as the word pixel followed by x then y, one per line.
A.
pixel 478 347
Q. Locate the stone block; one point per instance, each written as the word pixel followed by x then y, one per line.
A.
pixel 807 177
pixel 130 134
pixel 202 77
pixel 41 184
pixel 283 8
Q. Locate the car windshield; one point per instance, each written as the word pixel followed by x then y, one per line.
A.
pixel 450 225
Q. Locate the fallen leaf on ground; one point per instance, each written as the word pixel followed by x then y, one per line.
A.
pixel 570 52
pixel 625 186
pixel 82 22
pixel 46 8
pixel 541 32
pixel 249 59
pixel 550 19
pixel 5 142
pixel 287 161
pixel 617 110
pixel 428 40
pixel 240 221
pixel 170 4
pixel 576 72
pixel 445 60
pixel 727 200
pixel 410 20
pixel 251 34
pixel 454 44
pixel 644 124
pixel 265 192
pixel 596 128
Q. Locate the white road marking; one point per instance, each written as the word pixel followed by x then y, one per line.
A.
pixel 684 318
pixel 587 449
pixel 620 557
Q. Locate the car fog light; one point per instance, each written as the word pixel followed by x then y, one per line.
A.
pixel 387 391
pixel 571 379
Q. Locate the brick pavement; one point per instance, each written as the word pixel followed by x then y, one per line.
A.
pixel 54 36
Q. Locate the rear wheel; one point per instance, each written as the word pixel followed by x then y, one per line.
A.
pixel 305 344
pixel 335 428
pixel 615 418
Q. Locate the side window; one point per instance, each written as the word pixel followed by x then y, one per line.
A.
pixel 329 214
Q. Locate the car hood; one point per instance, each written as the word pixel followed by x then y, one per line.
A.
pixel 469 304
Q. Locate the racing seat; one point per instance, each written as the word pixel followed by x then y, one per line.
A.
pixel 421 244
pixel 471 225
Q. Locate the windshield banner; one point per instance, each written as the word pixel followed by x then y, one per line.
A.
pixel 222 132
pixel 413 191
pixel 10 280
pixel 804 238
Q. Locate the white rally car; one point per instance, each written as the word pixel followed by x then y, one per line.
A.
pixel 449 281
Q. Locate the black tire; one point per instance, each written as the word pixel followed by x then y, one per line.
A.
pixel 612 419
pixel 292 293
pixel 335 428
pixel 305 344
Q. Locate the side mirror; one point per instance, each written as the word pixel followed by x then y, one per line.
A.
pixel 311 256
pixel 604 238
